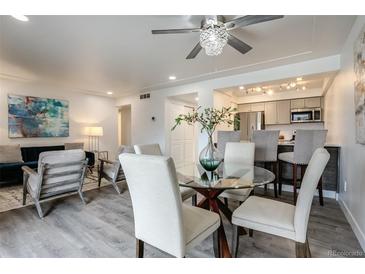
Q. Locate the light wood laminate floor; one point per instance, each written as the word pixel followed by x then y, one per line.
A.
pixel 104 228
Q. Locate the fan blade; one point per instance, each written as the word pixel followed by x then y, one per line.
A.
pixel 195 51
pixel 238 44
pixel 172 31
pixel 250 20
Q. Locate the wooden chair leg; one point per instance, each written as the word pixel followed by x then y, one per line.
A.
pixel 82 197
pixel 295 183
pixel 139 248
pixel 115 185
pixel 265 186
pixel 300 250
pixel 250 232
pixel 25 181
pixel 216 247
pixel 280 176
pixel 39 209
pixel 235 241
pixel 275 170
pixel 194 200
pixel 320 191
pixel 308 251
pixel 226 201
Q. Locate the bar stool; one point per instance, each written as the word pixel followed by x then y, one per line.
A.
pixel 306 142
pixel 266 151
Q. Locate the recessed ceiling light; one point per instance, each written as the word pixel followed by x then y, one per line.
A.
pixel 242 87
pixel 304 88
pixel 299 79
pixel 287 87
pixel 196 98
pixel 21 18
pixel 172 77
pixel 109 92
pixel 258 89
pixel 270 92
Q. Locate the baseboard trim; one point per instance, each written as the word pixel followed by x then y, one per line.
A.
pixel 360 235
pixel 326 193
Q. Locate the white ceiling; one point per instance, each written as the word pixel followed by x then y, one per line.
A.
pixel 119 53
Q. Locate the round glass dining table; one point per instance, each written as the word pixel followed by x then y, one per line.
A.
pixel 211 185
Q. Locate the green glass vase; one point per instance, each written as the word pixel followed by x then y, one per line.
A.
pixel 210 157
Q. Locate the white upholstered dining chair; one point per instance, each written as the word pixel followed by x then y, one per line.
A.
pixel 306 142
pixel 282 219
pixel 266 151
pixel 154 149
pixel 160 217
pixel 236 156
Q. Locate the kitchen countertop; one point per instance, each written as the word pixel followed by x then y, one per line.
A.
pixel 291 143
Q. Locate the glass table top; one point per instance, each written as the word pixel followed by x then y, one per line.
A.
pixel 229 176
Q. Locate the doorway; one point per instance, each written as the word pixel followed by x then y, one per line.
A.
pixel 124 122
pixel 182 142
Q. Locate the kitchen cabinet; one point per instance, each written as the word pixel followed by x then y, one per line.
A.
pixel 244 108
pixel 312 102
pixel 258 107
pixel 283 112
pixel 270 113
pixel 297 103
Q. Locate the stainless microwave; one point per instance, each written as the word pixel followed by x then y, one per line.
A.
pixel 306 115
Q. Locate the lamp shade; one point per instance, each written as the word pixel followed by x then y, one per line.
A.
pixel 94 131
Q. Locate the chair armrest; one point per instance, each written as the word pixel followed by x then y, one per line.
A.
pixel 29 171
pixel 107 161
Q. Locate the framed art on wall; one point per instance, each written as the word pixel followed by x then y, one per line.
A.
pixel 359 69
pixel 37 117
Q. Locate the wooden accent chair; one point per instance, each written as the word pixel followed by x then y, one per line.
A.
pixel 306 142
pixel 112 170
pixel 59 172
pixel 154 149
pixel 282 219
pixel 160 217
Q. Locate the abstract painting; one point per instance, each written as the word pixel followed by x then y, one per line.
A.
pixel 359 69
pixel 37 117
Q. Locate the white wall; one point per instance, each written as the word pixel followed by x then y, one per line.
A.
pixel 84 110
pixel 144 130
pixel 340 121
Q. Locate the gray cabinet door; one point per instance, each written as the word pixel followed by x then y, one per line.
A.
pixel 283 112
pixel 244 108
pixel 297 103
pixel 312 102
pixel 270 113
pixel 258 107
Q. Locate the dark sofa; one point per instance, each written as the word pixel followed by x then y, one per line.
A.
pixel 11 173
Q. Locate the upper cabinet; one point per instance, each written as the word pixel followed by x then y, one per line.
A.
pixel 258 107
pixel 297 103
pixel 244 108
pixel 270 113
pixel 314 102
pixel 283 112
pixel 278 112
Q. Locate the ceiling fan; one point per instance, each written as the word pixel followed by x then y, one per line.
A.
pixel 214 33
